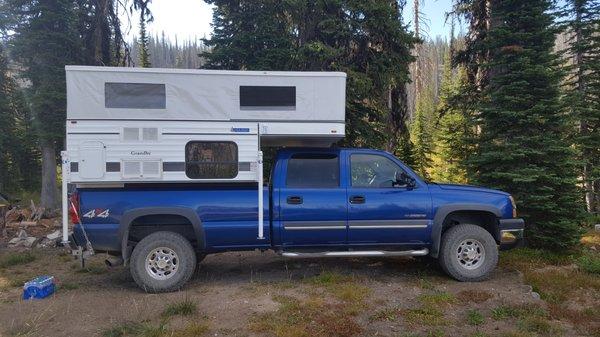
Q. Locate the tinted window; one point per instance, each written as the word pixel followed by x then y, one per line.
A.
pixel 261 97
pixel 313 170
pixel 211 160
pixel 369 170
pixel 135 96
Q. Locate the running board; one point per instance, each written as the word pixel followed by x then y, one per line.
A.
pixel 420 252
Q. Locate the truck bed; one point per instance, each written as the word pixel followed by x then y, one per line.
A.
pixel 228 213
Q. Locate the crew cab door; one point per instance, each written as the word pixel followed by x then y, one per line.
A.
pixel 313 208
pixel 381 211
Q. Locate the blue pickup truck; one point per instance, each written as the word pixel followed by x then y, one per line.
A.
pixel 322 202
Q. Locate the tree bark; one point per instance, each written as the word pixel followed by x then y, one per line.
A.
pixel 49 194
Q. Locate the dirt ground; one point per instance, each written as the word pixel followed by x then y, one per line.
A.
pixel 263 294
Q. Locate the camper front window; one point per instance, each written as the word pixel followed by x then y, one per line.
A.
pixel 211 160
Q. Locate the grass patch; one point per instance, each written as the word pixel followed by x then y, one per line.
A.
pixel 343 288
pixel 437 298
pixel 522 311
pixel 328 278
pixel 532 258
pixel 591 238
pixel 183 308
pixel 15 259
pixel 426 284
pixel 589 263
pixel 436 333
pixel 474 317
pixel 476 296
pixel 557 286
pixel 124 329
pixel 427 316
pixel 387 314
pixel 306 318
pixel 68 286
pixel 540 326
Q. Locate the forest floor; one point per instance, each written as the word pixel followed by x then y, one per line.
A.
pixel 532 293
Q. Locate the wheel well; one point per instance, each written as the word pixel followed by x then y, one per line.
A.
pixel 145 225
pixel 486 220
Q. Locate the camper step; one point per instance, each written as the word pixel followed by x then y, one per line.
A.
pixel 356 253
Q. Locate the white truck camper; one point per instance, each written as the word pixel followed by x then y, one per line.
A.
pixel 148 125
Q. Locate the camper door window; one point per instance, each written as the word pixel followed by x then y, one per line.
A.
pixel 134 96
pixel 211 160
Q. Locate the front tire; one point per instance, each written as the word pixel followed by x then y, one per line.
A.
pixel 162 262
pixel 468 253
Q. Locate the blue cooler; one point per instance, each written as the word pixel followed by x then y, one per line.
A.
pixel 39 287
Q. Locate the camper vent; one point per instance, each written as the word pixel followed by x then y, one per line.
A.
pixel 140 134
pixel 131 169
pixel 142 169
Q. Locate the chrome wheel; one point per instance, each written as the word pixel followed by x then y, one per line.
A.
pixel 470 254
pixel 162 263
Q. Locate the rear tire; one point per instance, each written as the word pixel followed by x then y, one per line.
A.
pixel 468 253
pixel 162 262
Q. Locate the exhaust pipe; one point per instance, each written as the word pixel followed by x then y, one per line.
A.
pixel 113 261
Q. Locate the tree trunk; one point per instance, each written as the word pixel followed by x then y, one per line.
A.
pixel 418 62
pixel 48 198
pixel 583 125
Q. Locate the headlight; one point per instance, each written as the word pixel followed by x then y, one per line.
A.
pixel 514 206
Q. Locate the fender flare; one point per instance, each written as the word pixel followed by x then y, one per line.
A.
pixel 443 211
pixel 133 214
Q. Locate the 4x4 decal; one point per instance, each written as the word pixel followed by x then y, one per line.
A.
pixel 97 213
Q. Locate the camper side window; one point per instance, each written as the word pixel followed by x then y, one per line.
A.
pixel 134 95
pixel 267 98
pixel 211 160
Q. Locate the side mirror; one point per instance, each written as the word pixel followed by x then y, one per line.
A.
pixel 404 180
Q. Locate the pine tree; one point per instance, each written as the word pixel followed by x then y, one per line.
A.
pixel 453 129
pixel 583 91
pixel 145 16
pixel 45 39
pixel 523 147
pixel 422 132
pixel 365 39
pixel 249 35
pixel 19 160
pixel 143 45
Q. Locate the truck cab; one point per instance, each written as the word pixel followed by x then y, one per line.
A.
pixel 322 202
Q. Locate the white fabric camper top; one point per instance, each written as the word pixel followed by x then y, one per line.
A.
pixel 206 95
pixel 172 125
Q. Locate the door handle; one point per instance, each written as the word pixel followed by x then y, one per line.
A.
pixel 294 200
pixel 357 199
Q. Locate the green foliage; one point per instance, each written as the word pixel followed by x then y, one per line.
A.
pixel 582 89
pixel 44 41
pixel 523 147
pixel 14 259
pixel 19 169
pixel 143 45
pixel 454 128
pixel 422 132
pixel 474 317
pixel 365 39
pixel 590 263
pixel 183 308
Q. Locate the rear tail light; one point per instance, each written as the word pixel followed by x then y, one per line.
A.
pixel 74 208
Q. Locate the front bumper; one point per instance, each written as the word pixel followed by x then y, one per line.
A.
pixel 511 233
